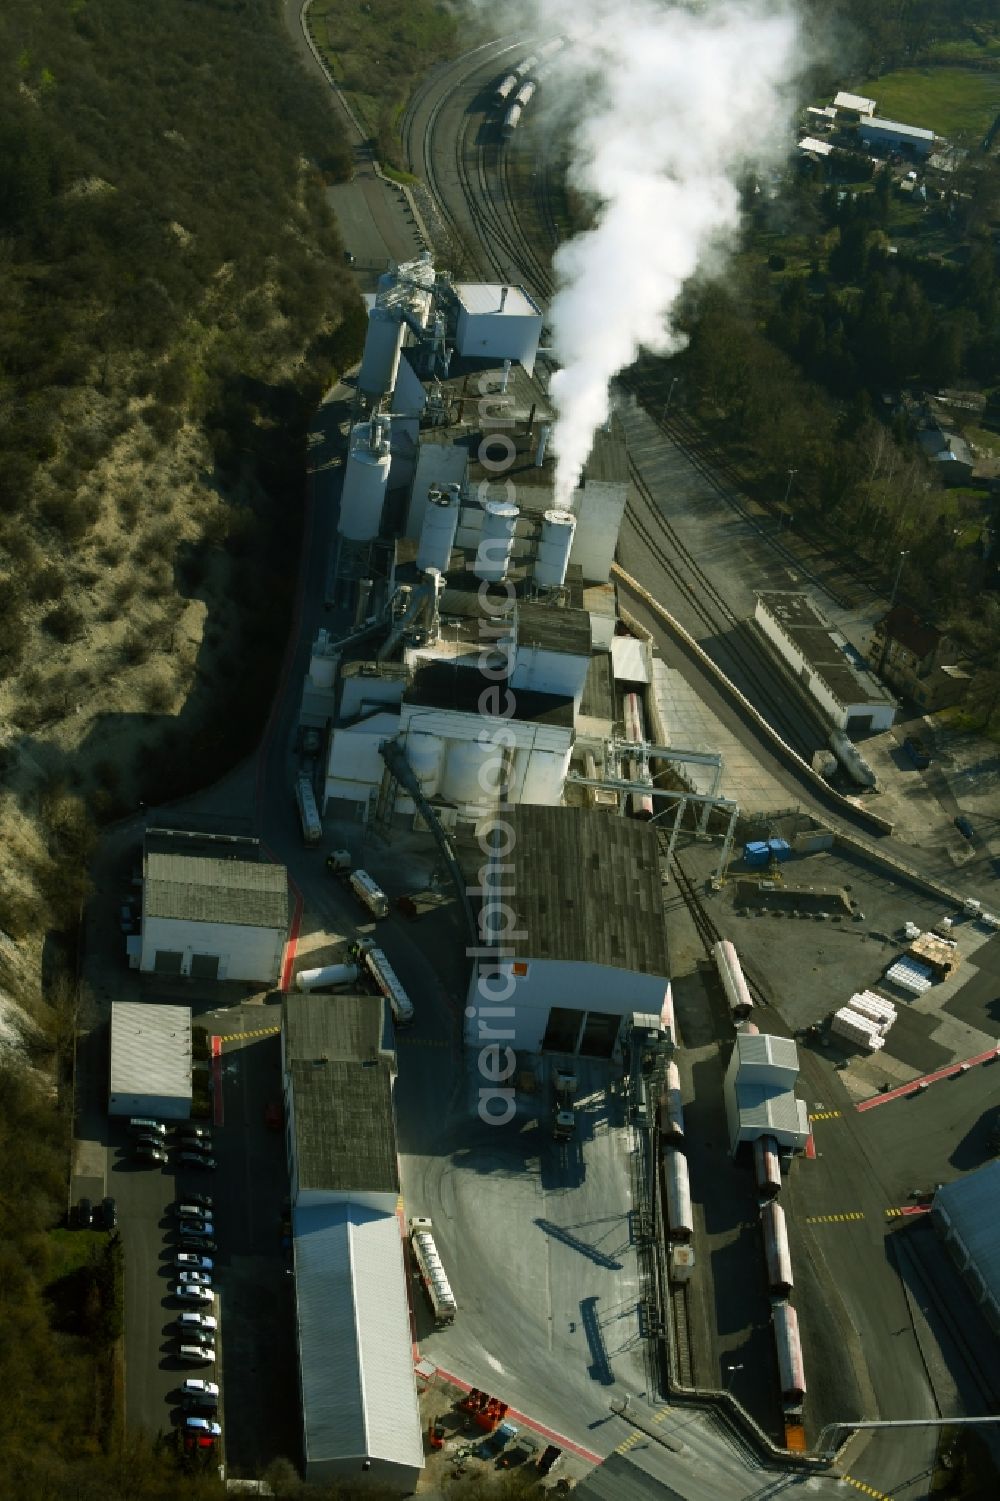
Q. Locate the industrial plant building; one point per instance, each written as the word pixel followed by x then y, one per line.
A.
pixel 824 662
pixel 966 1215
pixel 151 1061
pixel 359 1403
pixel 759 1090
pixel 573 915
pixel 211 909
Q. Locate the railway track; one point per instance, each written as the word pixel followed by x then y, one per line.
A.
pixel 680 1332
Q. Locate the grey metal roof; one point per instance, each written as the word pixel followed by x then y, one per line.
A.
pixel 765 1107
pixel 768 1050
pixel 445 685
pixel 344 1028
pixel 150 1050
pixel 355 1352
pixel 585 886
pixel 200 888
pixel 972 1205
pixel 345 1137
pixel 823 647
pixel 553 628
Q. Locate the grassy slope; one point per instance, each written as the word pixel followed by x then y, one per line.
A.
pixel 960 103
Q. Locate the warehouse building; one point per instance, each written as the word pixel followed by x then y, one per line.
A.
pixel 759 1091
pixel 360 1417
pixel 150 1071
pixel 824 662
pixel 966 1215
pixel 211 909
pixel 892 135
pixel 574 933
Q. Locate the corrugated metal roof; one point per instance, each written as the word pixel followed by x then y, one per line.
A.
pixel 150 1050
pixel 769 1051
pixel 972 1205
pixel 610 911
pixel 478 297
pixel 345 1136
pixel 358 1390
pixel 200 888
pixel 348 1028
pixel 769 1109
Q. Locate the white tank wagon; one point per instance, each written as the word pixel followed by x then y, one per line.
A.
pixel 369 893
pixel 432 1273
pixel 677 1192
pixel 388 982
pixel 766 1163
pixel 525 94
pixel 779 1260
pixel 635 734
pixel 512 119
pixel 327 977
pixel 730 973
pixel 506 87
pixel 789 1347
pixel 524 68
pixel 671 1109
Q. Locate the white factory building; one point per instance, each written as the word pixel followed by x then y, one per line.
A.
pixel 151 1061
pixel 361 1423
pixel 824 662
pixel 759 1092
pixel 573 925
pixel 210 913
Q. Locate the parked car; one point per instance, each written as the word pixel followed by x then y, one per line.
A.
pixel 965 828
pixel 145 1153
pixel 84 1215
pixel 203 1425
pixel 195 1159
pixel 127 918
pixel 195 1278
pixel 200 1404
pixel 194 1320
pixel 192 1209
pixel 189 1293
pixel 186 1143
pixel 194 1386
pixel 204 1201
pixel 109 1214
pixel 197 1353
pixel 205 1338
pixel 141 1123
pixel 196 1229
pixel 202 1132
pixel 194 1243
pixel 149 1139
pixel 186 1260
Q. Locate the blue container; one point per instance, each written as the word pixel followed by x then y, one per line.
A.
pixel 780 849
pixel 756 853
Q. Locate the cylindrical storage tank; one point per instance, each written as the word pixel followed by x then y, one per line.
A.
pixel 545 776
pixel 731 974
pixel 437 534
pixel 677 1187
pixel 671 1109
pixel 495 541
pixel 471 773
pixel 329 975
pixel 779 1261
pixel 786 1338
pixel 365 480
pixel 380 361
pixel 766 1163
pixel 425 754
pixel 554 548
pixel 635 730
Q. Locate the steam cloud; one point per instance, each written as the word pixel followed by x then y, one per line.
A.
pixel 675 104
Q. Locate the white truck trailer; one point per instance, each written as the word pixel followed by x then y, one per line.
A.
pixel 432 1273
pixel 312 828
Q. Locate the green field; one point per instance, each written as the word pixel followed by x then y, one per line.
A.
pixel 955 102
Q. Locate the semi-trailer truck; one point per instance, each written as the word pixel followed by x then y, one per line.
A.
pixel 432 1273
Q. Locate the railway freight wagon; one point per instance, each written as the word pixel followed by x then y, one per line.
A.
pixel 671 1109
pixel 731 975
pixel 767 1167
pixel 791 1370
pixel 779 1262
pixel 677 1195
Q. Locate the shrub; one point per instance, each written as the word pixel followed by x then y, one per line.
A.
pixel 48 583
pixel 70 515
pixel 65 622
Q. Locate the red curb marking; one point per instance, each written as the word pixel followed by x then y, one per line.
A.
pixel 520 1417
pixel 810 1148
pixel 217 1081
pixel 911 1088
pixel 916 1209
pixel 293 941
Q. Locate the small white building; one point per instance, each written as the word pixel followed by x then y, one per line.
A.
pixel 824 662
pixel 209 917
pixel 497 322
pixel 151 1058
pixel 361 1421
pixel 855 105
pixel 759 1091
pixel 573 932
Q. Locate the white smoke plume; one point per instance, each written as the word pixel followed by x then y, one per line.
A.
pixel 675 104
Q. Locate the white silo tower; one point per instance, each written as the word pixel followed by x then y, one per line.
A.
pixel 496 541
pixel 365 481
pixel 380 361
pixel 437 534
pixel 552 559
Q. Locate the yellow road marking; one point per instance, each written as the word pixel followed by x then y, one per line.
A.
pixel 834 1219
pixel 258 1032
pixel 861 1485
pixel 825 1115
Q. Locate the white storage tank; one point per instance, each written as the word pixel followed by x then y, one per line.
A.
pixel 496 541
pixel 365 481
pixel 552 560
pixel 380 361
pixel 437 534
pixel 471 772
pixel 543 776
pixel 329 975
pixel 425 754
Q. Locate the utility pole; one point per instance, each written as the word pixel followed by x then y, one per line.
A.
pixel 670 393
pixel 788 490
pixel 892 600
